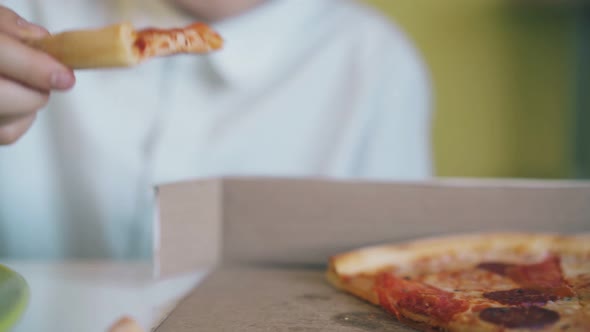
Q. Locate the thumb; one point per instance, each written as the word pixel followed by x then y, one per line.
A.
pixel 13 25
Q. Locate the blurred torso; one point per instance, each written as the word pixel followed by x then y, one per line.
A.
pixel 296 92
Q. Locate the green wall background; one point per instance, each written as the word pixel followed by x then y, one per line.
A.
pixel 503 84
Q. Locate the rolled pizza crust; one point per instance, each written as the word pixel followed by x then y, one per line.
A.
pixel 111 46
pixel 121 45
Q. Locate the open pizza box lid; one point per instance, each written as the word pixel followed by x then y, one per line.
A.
pixel 270 239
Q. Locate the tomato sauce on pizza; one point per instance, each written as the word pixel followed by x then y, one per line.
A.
pixel 197 37
pixel 493 282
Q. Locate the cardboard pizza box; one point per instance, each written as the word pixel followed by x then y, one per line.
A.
pixel 266 298
pixel 304 221
pixel 270 239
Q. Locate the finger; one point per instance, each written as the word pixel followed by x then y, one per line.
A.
pixel 14 25
pixel 125 324
pixel 31 67
pixel 11 129
pixel 17 99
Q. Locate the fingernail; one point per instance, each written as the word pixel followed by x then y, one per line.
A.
pixel 61 80
pixel 22 22
pixel 30 29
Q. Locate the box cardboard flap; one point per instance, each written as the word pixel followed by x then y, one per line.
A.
pixel 304 221
pixel 187 229
pixel 269 299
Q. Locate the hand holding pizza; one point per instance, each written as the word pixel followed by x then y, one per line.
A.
pixel 26 76
pixel 33 62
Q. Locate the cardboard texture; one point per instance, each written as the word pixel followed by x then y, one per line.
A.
pixel 188 227
pixel 305 221
pixel 274 299
pixel 272 237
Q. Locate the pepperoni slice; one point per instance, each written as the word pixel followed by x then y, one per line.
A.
pixel 396 293
pixel 519 317
pixel 521 296
pixel 546 275
pixel 497 268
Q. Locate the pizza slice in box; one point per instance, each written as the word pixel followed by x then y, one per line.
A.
pixel 486 282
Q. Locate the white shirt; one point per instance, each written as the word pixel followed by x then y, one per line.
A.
pixel 322 88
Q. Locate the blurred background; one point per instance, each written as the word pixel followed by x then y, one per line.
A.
pixel 511 84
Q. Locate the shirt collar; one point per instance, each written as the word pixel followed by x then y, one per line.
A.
pixel 260 42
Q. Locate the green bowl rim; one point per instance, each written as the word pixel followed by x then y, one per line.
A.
pixel 18 310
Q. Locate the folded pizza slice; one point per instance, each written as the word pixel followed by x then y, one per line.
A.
pixel 121 45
